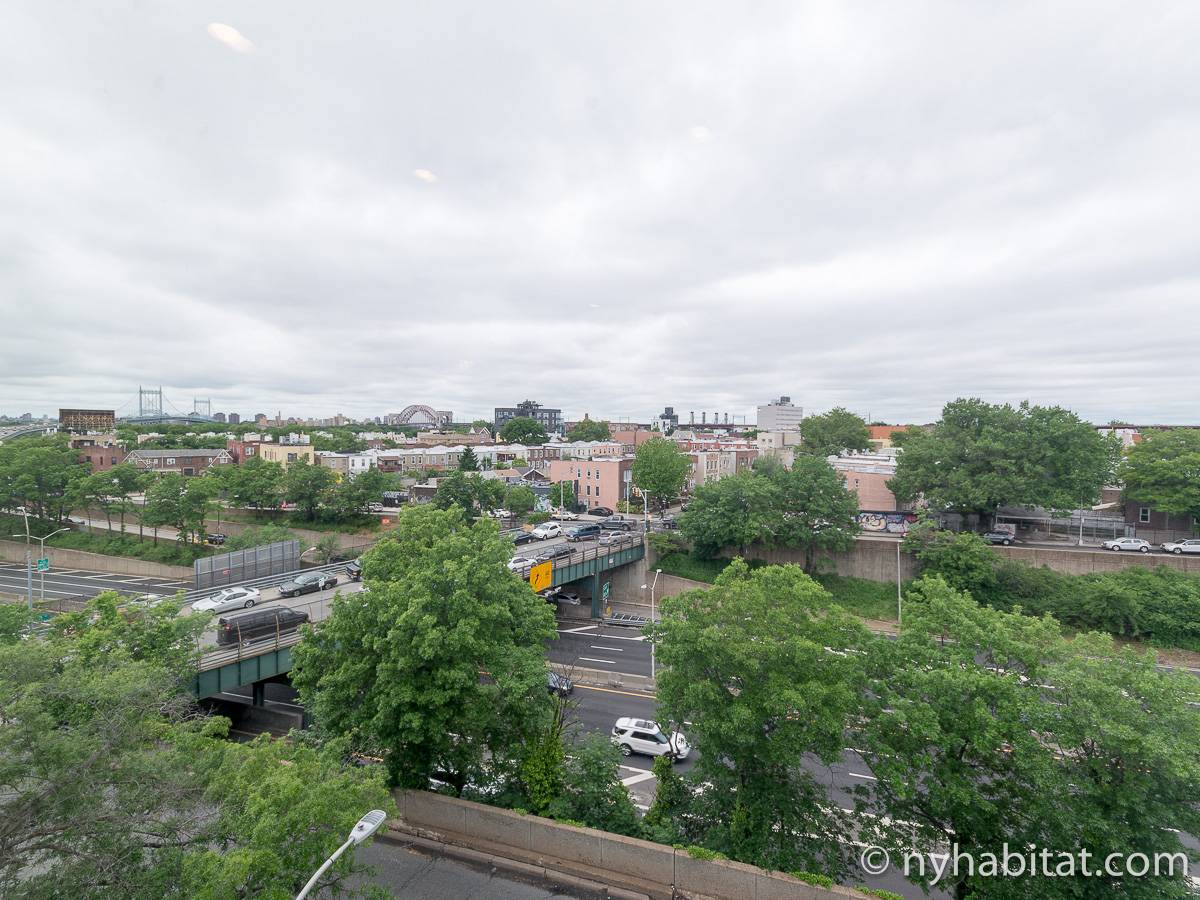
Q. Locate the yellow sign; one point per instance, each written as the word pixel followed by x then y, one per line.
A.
pixel 541 575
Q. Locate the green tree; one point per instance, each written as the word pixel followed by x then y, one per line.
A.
pixel 164 503
pixel 309 486
pixel 489 493
pixel 767 672
pixel 735 511
pixel 562 495
pixel 456 489
pixel 816 509
pixel 523 430
pixel 590 430
pixel 964 560
pixel 40 474
pixel 660 470
pixel 255 484
pixel 441 591
pixel 980 456
pixel 520 500
pixel 831 433
pixel 1163 472
pixel 117 785
pixel 126 480
pixel 353 496
pixel 592 791
pixel 467 462
pixel 260 536
pixel 327 548
pixel 196 503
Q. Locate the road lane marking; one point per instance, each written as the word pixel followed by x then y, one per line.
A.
pixel 867 777
pixel 614 649
pixel 637 779
pixel 643 695
pixel 576 630
pixel 608 662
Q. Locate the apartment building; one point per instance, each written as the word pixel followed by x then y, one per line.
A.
pixel 549 419
pixel 100 451
pixel 346 465
pixel 287 454
pixel 597 482
pixel 867 474
pixel 184 462
pixel 778 445
pixel 780 415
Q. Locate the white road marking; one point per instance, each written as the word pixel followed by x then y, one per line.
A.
pixel 867 777
pixel 614 649
pixel 637 779
pixel 577 630
pixel 609 662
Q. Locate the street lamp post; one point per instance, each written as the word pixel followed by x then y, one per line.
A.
pixel 28 558
pixel 898 601
pixel 366 827
pixel 653 584
pixel 28 561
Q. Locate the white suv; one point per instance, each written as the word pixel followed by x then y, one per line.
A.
pixel 547 530
pixel 644 736
pixel 1128 543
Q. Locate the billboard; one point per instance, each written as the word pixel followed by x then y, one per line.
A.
pixel 243 565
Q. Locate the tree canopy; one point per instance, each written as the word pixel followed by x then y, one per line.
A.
pixel 590 430
pixel 523 430
pixel 828 434
pixel 1163 471
pixel 467 461
pixel 441 592
pixel 309 486
pixel 980 456
pixel 660 469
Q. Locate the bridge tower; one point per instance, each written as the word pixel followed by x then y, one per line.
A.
pixel 202 407
pixel 150 402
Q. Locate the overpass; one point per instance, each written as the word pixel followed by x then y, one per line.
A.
pixel 270 659
pixel 9 432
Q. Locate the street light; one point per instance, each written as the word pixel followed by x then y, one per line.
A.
pixel 41 553
pixel 28 557
pixel 366 827
pixel 652 585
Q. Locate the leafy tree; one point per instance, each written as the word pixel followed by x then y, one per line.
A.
pixel 40 473
pixel 831 433
pixel 327 548
pixel 260 536
pixel 980 456
pixel 164 502
pixel 523 430
pixel 735 511
pixel 441 592
pixel 660 470
pixel 481 424
pixel 467 461
pixel 520 499
pixel 255 484
pixel 456 489
pixel 590 430
pixel 125 481
pixel 593 793
pixel 353 496
pixel 672 798
pixel 196 503
pixel 562 495
pixel 489 493
pixel 766 671
pixel 1163 471
pixel 817 510
pixel 309 486
pixel 964 560
pixel 116 785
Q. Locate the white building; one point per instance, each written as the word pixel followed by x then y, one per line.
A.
pixel 780 415
pixel 780 445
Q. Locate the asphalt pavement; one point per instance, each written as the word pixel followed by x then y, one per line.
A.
pixel 60 584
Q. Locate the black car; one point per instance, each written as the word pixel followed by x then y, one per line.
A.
pixel 354 570
pixel 618 523
pixel 523 537
pixel 558 551
pixel 307 583
pixel 260 623
pixel 584 532
pixel 559 684
pixel 601 511
pixel 215 538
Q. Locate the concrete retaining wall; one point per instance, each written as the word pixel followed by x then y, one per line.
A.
pixel 629 863
pixel 1077 562
pixel 11 551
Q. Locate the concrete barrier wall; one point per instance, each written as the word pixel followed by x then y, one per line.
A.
pixel 11 551
pixel 615 860
pixel 1077 562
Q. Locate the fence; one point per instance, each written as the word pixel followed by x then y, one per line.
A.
pixel 243 565
pixel 317 610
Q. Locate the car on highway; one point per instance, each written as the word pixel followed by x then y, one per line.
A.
pixel 567 596
pixel 517 563
pixel 611 538
pixel 618 523
pixel 215 538
pixel 584 532
pixel 307 583
pixel 229 598
pixel 354 570
pixel 1178 547
pixel 522 537
pixel 251 626
pixel 600 511
pixel 1128 543
pixel 558 551
pixel 547 530
pixel 999 537
pixel 565 515
pixel 559 684
pixel 645 737
pixel 147 601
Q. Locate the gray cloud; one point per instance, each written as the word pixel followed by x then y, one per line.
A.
pixel 702 205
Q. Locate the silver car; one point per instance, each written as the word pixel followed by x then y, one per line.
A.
pixel 230 598
pixel 1128 543
pixel 1178 547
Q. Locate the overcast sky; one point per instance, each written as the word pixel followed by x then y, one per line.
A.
pixel 604 206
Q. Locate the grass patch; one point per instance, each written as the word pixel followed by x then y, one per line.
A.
pixel 869 599
pixel 291 519
pixel 166 551
pixel 684 565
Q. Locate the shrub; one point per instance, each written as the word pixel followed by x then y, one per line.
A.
pixel 704 853
pixel 813 878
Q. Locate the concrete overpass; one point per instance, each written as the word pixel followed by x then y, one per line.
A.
pixel 8 432
pixel 270 659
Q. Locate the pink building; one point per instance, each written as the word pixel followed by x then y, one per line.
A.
pixel 598 482
pixel 867 474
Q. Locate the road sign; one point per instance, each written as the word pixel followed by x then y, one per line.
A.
pixel 604 591
pixel 43 564
pixel 541 575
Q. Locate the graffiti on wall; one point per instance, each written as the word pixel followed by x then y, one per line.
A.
pixel 886 522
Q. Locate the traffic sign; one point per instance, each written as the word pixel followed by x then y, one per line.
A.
pixel 541 575
pixel 604 591
pixel 43 564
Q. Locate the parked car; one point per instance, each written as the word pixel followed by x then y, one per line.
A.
pixel 609 538
pixel 644 736
pixel 522 537
pixel 215 538
pixel 1128 543
pixel 517 563
pixel 547 530
pixel 567 596
pixel 584 532
pixel 1178 547
pixel 558 551
pixel 565 515
pixel 559 684
pixel 307 583
pixel 375 507
pixel 258 624
pixel 999 537
pixel 230 598
pixel 500 514
pixel 668 521
pixel 618 523
pixel 601 511
pixel 354 570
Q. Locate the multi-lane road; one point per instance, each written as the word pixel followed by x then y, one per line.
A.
pixel 62 584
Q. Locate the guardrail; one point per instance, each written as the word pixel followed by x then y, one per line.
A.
pixel 267 581
pixel 626 539
pixel 222 656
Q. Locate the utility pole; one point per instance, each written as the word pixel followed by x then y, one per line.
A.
pixel 898 600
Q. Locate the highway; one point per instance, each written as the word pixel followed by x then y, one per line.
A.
pixel 62 584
